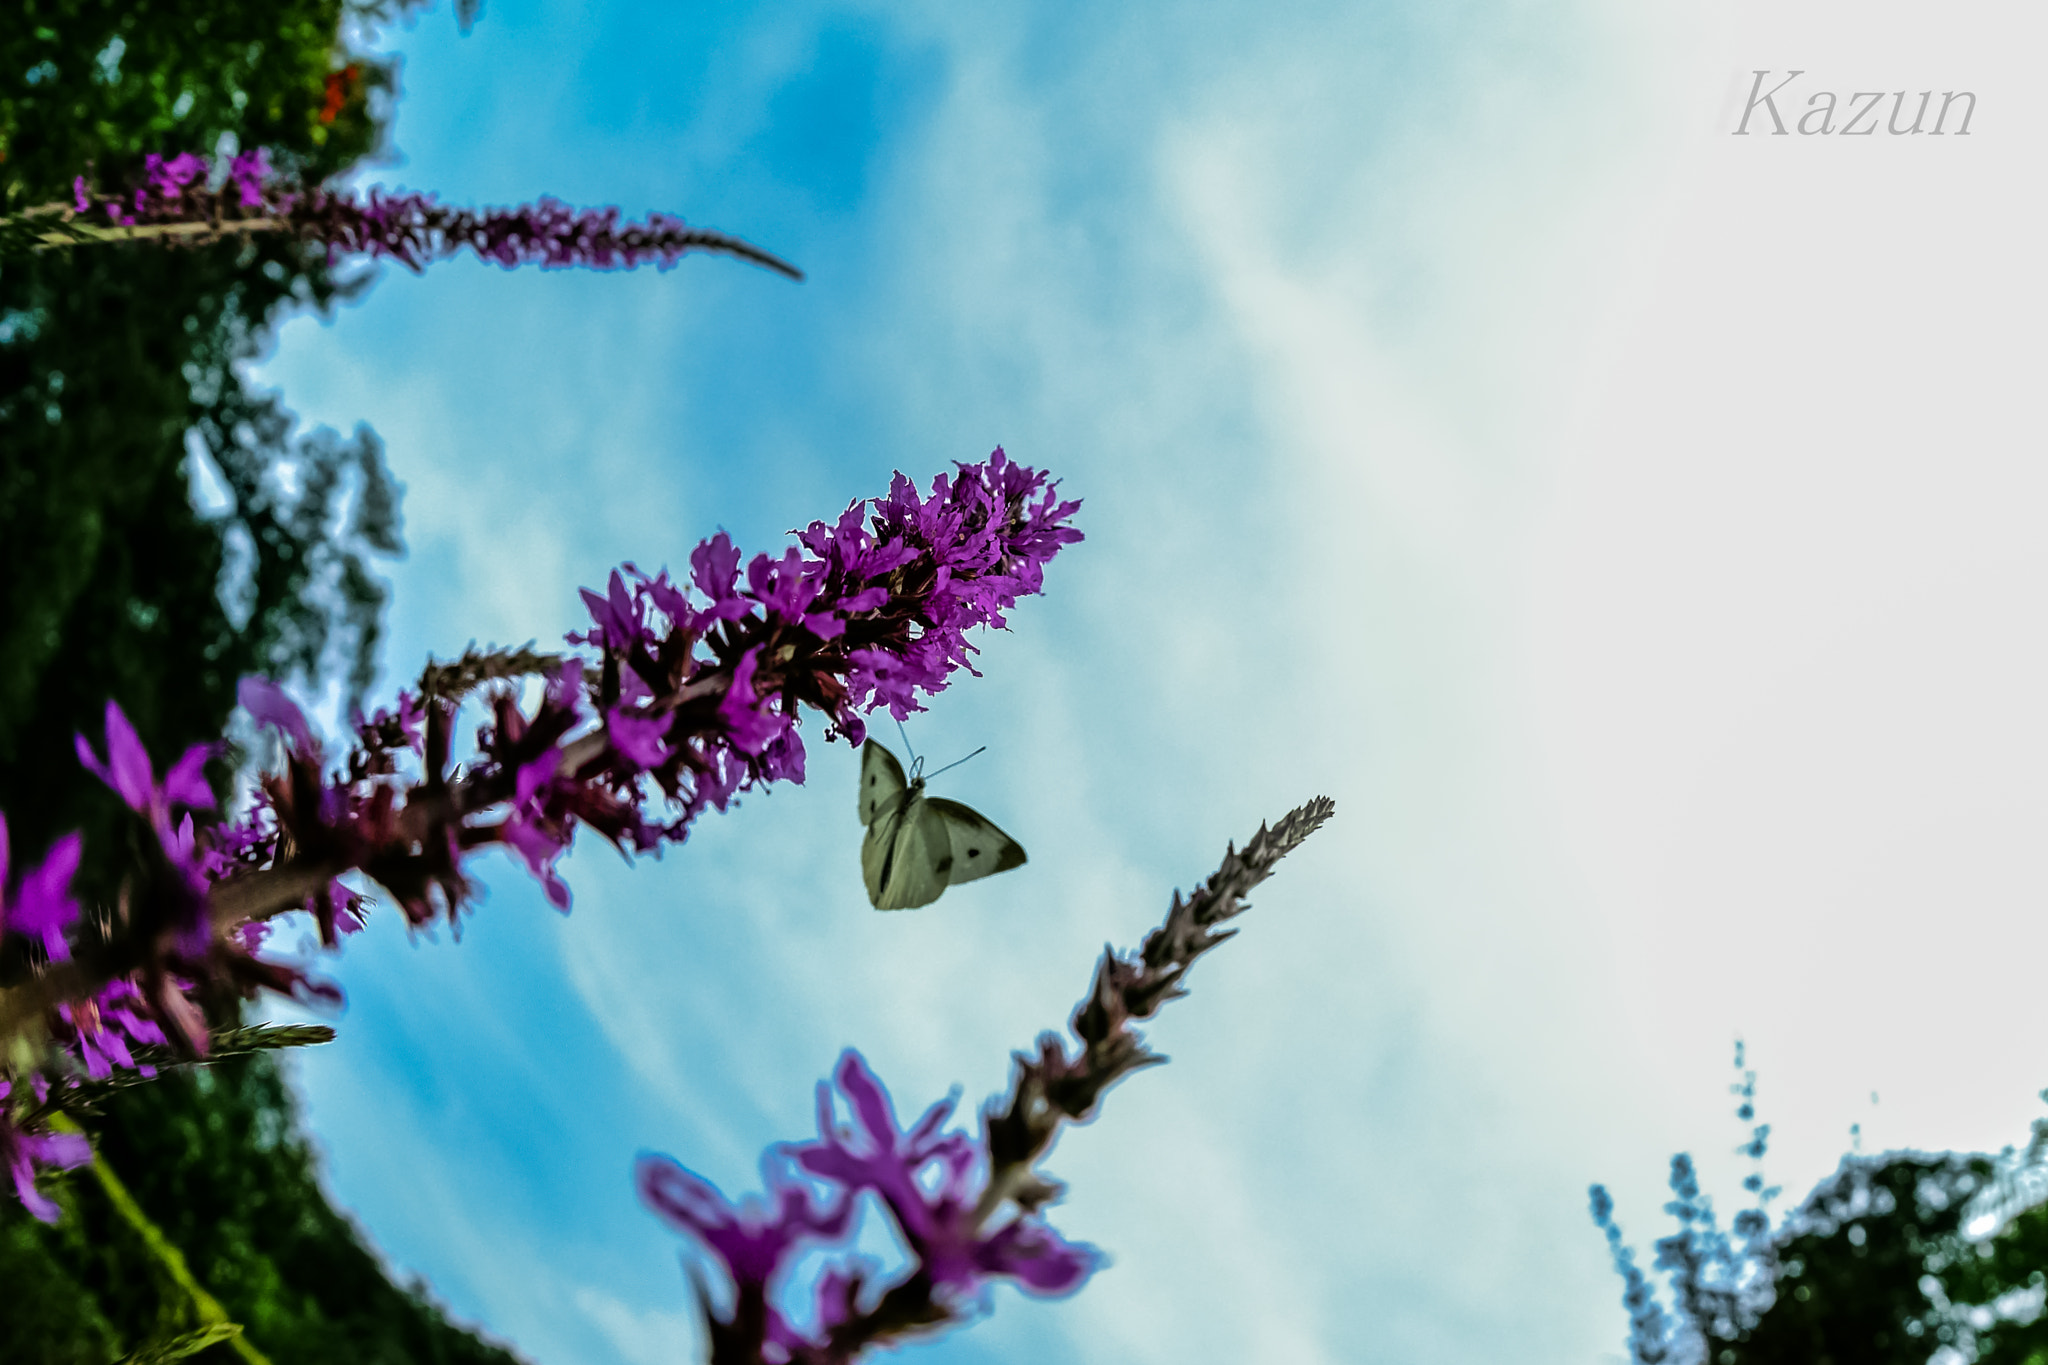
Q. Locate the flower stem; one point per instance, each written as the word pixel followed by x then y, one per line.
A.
pixel 211 1314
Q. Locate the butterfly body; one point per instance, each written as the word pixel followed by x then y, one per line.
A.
pixel 919 845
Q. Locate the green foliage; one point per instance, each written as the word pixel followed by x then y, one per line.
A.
pixel 162 532
pixel 183 1346
pixel 119 391
pixel 1877 1269
pixel 97 83
pixel 214 1158
pixel 1901 1259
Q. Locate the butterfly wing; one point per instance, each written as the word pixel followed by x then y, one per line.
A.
pixel 916 846
pixel 878 849
pixel 881 781
pixel 907 856
pixel 976 847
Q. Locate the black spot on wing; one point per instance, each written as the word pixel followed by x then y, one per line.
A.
pixel 888 866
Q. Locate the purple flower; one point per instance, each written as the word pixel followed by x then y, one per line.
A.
pixel 269 704
pixel 752 725
pixel 529 833
pixel 617 615
pixel 168 178
pixel 247 173
pixel 336 910
pixel 127 770
pixel 193 863
pixel 785 586
pixel 539 849
pixel 750 1241
pixel 105 1025
pixel 640 739
pixel 783 759
pixel 23 1152
pixel 880 678
pixel 715 570
pixel 41 905
pixel 932 1182
pixel 533 779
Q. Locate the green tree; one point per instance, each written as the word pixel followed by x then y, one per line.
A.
pixel 1879 1266
pixel 119 396
pixel 213 1158
pixel 119 392
pixel 1898 1259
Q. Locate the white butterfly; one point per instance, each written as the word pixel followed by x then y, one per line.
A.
pixel 919 845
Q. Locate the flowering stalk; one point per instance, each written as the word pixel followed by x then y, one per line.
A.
pixel 186 198
pixel 683 695
pixel 1053 1088
pixel 945 1193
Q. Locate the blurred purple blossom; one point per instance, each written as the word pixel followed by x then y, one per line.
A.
pixel 40 905
pixel 931 1181
pixel 24 1151
pixel 941 1225
pixel 102 1029
pixel 248 173
pixel 128 771
pixel 269 704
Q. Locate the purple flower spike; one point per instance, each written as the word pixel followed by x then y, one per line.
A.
pixel 692 696
pixel 412 229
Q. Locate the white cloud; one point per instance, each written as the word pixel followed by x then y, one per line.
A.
pixel 642 1336
pixel 1410 363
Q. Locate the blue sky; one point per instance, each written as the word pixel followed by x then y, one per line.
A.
pixel 1631 526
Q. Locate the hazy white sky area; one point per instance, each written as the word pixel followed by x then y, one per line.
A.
pixel 1634 527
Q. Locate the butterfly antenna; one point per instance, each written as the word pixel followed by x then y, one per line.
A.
pixel 957 762
pixel 906 741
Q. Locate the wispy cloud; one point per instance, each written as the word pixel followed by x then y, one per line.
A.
pixel 1407 359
